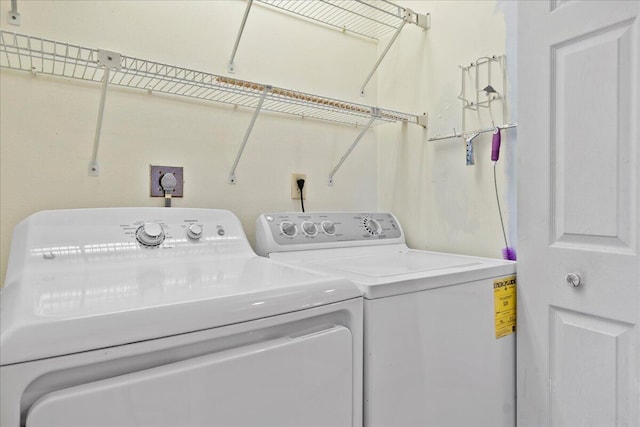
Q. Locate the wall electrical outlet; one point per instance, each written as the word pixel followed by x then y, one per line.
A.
pixel 295 191
pixel 156 173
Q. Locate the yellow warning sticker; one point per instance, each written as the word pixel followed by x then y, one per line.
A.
pixel 504 302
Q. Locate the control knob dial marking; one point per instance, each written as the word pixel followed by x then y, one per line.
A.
pixel 288 228
pixel 309 228
pixel 328 227
pixel 150 234
pixel 372 226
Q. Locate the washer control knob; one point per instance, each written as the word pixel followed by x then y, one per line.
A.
pixel 288 228
pixel 194 231
pixel 372 226
pixel 309 228
pixel 328 227
pixel 150 234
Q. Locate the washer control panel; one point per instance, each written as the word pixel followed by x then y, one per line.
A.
pixel 288 230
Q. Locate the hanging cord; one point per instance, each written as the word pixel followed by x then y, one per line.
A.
pixel 300 183
pixel 495 185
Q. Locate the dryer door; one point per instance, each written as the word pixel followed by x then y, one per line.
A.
pixel 290 381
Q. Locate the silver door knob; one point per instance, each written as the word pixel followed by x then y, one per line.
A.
pixel 574 279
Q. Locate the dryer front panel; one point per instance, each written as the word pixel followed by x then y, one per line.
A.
pixel 289 381
pixel 302 368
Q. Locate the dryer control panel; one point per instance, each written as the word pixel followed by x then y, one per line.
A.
pixel 289 231
pixel 103 235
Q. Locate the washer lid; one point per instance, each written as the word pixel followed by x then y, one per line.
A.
pixel 383 271
pixel 386 265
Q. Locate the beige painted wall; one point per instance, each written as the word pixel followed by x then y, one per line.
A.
pixel 47 124
pixel 443 204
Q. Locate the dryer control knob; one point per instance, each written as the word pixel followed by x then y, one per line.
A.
pixel 372 226
pixel 194 231
pixel 150 234
pixel 309 228
pixel 328 227
pixel 288 228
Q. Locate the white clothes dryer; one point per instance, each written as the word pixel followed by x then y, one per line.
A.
pixel 166 317
pixel 439 347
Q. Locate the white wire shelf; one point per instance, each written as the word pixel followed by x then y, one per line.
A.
pixel 372 18
pixel 42 56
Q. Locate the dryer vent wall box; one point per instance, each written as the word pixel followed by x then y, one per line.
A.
pixel 431 353
pixel 155 180
pixel 174 307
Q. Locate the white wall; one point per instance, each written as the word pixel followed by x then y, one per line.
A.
pixel 47 124
pixel 443 204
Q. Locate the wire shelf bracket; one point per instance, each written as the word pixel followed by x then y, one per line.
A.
pixel 42 56
pixel 231 67
pixel 13 17
pixel 409 17
pixel 374 114
pixel 110 61
pixel 232 174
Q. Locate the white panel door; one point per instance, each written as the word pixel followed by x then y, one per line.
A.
pixel 578 266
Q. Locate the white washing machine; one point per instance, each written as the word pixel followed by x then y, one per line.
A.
pixel 166 317
pixel 439 347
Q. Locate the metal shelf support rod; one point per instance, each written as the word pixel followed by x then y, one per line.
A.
pixel 384 53
pixel 93 165
pixel 109 60
pixel 14 15
pixel 358 138
pixel 232 174
pixel 231 66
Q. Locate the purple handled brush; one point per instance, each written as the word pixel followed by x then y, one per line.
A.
pixel 508 252
pixel 495 145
